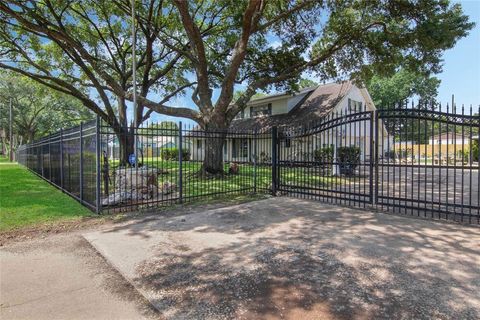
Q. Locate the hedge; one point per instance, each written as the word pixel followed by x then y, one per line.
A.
pixel 172 154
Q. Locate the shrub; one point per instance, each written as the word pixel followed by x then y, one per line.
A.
pixel 348 159
pixel 172 154
pixel 475 150
pixel 324 158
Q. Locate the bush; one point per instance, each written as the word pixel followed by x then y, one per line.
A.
pixel 324 158
pixel 172 154
pixel 475 150
pixel 348 159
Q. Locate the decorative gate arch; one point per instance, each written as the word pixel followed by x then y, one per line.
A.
pixel 409 161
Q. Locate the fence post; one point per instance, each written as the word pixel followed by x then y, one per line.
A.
pixel 97 164
pixel 180 162
pixel 81 161
pixel 61 158
pixel 50 158
pixel 41 159
pixel 255 137
pixel 376 155
pixel 274 160
pixel 372 155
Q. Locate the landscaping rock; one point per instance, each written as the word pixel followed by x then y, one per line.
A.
pixel 167 187
pixel 137 184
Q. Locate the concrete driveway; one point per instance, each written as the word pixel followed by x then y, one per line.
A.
pixel 292 258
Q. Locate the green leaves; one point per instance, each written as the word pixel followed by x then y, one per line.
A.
pixel 37 109
pixel 387 91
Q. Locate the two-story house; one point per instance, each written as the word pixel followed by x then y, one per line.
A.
pixel 286 111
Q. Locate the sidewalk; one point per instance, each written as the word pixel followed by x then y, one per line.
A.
pixel 62 277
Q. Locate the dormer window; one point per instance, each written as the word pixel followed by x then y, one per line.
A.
pixel 354 106
pixel 261 110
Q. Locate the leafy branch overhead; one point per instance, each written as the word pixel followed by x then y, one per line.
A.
pixel 83 48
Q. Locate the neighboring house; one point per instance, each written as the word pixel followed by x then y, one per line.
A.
pixel 286 111
pixel 450 138
pixel 150 144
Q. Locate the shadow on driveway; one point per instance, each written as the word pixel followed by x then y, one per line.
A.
pixel 292 258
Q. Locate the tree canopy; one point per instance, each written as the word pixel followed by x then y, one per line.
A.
pixel 84 48
pixel 213 47
pixel 388 91
pixel 37 110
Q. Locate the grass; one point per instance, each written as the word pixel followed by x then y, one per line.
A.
pixel 26 200
pixel 195 186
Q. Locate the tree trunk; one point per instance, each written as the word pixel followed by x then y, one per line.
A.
pixel 213 161
pixel 126 147
pixel 31 136
pixel 215 134
pixel 124 135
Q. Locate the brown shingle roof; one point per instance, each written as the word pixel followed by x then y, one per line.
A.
pixel 314 107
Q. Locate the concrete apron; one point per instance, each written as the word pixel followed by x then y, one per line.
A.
pixel 366 264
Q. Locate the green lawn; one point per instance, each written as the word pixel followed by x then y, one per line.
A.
pixel 248 177
pixel 26 199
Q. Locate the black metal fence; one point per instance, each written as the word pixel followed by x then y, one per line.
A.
pixel 67 159
pixel 170 161
pixel 409 161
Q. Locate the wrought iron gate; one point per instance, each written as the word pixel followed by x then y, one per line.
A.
pixel 409 161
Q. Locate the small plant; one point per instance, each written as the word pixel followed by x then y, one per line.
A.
pixel 348 159
pixel 264 157
pixel 233 168
pixel 172 154
pixel 475 151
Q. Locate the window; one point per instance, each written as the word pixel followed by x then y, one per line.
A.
pixel 261 110
pixel 288 143
pixel 239 148
pixel 240 115
pixel 354 106
pixel 199 144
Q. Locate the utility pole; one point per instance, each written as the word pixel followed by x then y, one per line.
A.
pixel 11 131
pixel 134 77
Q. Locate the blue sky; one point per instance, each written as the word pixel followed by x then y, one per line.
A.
pixel 461 69
pixel 460 75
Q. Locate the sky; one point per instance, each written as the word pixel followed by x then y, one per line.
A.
pixel 460 75
pixel 461 67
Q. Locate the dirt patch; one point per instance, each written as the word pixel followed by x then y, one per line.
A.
pixel 44 230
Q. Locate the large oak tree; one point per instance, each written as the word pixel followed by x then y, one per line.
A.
pixel 84 49
pixel 226 43
pixel 37 109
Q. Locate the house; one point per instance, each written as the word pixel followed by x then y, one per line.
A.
pixel 307 108
pixel 148 144
pixel 450 138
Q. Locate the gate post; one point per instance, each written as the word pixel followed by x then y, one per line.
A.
pixel 376 155
pixel 97 165
pixel 255 137
pixel 372 155
pixel 180 162
pixel 274 160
